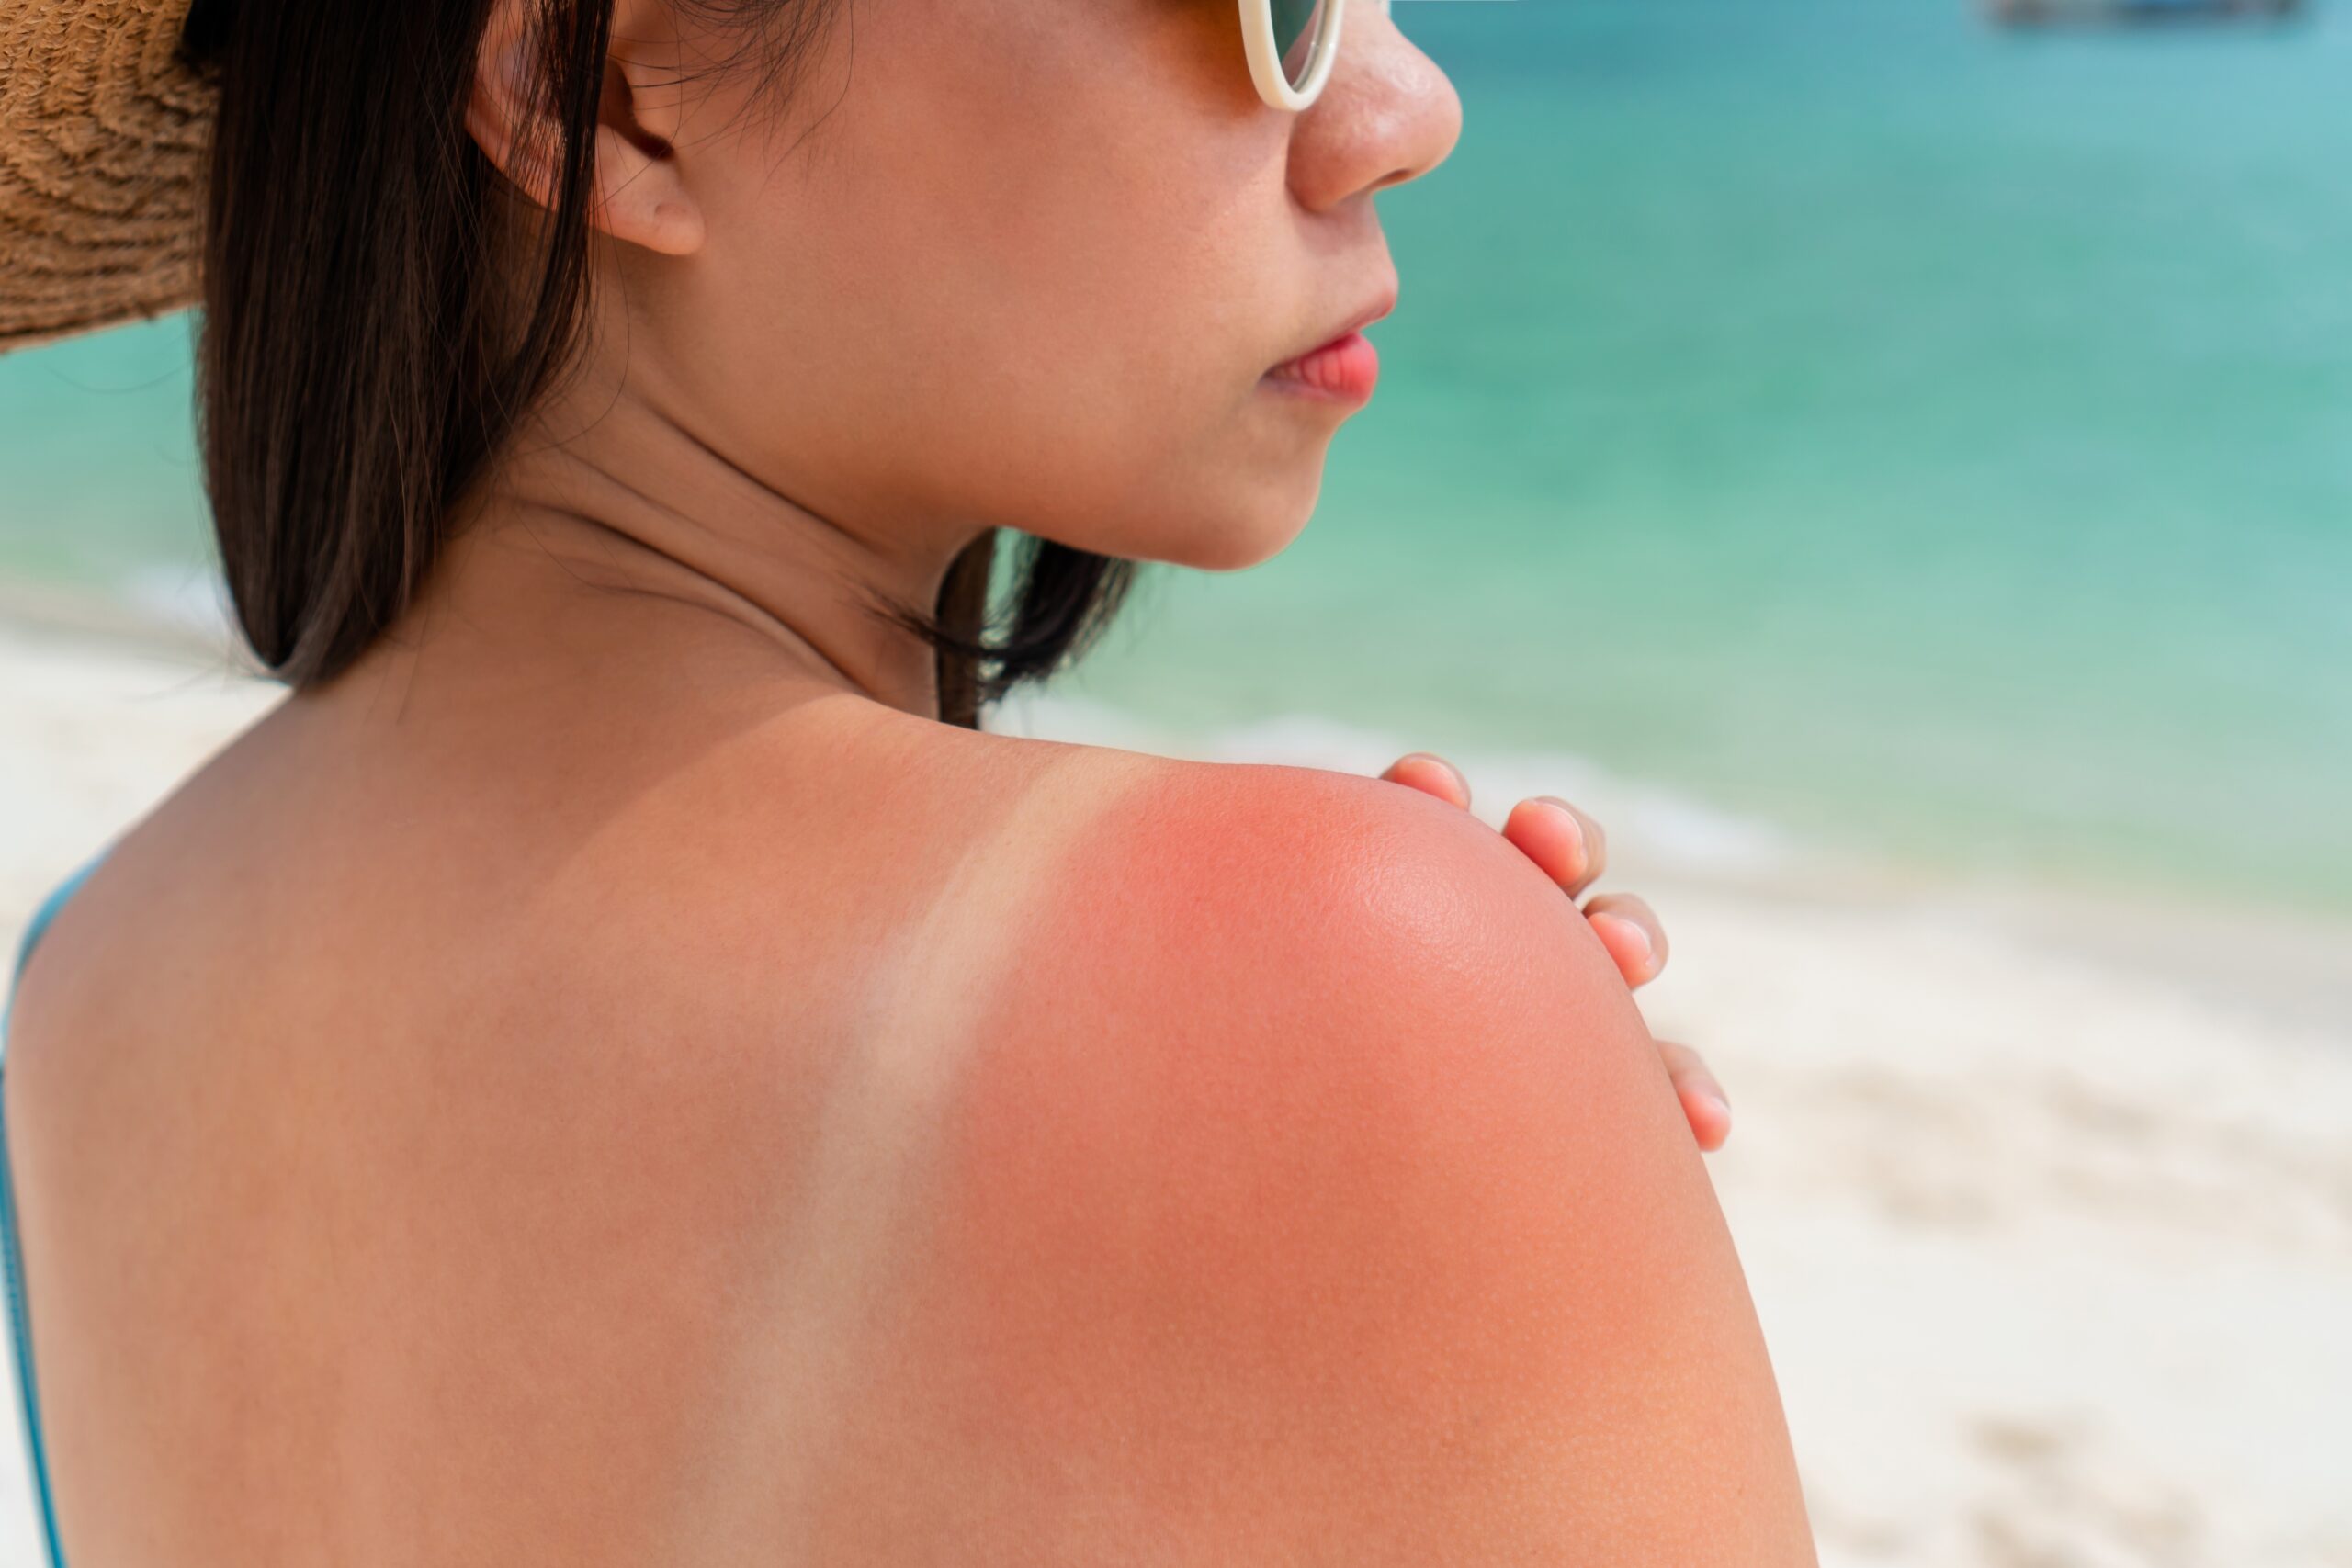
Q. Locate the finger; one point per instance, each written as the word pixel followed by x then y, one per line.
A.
pixel 1557 837
pixel 1629 927
pixel 1705 1104
pixel 1432 774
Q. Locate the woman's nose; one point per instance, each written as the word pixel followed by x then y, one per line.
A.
pixel 1387 115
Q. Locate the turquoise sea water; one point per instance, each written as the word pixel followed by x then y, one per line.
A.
pixel 1924 439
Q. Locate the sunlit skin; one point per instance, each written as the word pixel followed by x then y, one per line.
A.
pixel 1329 1201
pixel 612 1079
pixel 1568 846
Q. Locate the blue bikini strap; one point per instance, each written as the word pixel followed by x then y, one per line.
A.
pixel 41 917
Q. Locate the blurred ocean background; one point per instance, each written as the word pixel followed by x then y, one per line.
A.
pixel 1860 426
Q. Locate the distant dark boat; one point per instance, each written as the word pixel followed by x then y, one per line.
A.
pixel 2131 13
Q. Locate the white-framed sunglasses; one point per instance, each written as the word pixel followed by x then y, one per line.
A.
pixel 1291 44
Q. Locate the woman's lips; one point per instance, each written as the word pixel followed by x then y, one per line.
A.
pixel 1343 370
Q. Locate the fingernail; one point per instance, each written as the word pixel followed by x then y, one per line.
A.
pixel 1576 823
pixel 1641 939
pixel 1433 757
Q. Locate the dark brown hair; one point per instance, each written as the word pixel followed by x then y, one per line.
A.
pixel 360 362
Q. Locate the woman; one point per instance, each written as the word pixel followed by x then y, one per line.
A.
pixel 617 1067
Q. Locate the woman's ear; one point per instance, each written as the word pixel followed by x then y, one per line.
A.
pixel 641 196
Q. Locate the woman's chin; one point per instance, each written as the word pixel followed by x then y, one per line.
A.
pixel 1241 543
pixel 1259 510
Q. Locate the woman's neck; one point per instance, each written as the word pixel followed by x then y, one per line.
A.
pixel 635 529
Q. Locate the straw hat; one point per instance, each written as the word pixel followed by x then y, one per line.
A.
pixel 103 135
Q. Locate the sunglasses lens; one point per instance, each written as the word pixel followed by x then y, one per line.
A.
pixel 1298 33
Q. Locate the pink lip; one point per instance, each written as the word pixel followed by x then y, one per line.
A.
pixel 1343 370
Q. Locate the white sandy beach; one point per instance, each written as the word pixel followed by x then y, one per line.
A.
pixel 2047 1209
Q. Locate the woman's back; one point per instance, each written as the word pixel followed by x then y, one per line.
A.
pixel 856 1139
pixel 398 1166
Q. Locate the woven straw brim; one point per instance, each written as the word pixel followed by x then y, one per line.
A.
pixel 102 149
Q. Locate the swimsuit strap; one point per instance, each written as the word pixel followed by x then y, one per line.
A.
pixel 11 1249
pixel 41 917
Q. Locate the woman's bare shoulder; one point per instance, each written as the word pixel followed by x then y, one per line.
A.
pixel 1308 1183
pixel 987 1132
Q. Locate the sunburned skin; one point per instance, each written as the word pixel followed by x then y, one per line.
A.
pixel 1259 1210
pixel 870 1161
pixel 1008 1153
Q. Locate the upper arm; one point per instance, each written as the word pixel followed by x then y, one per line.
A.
pixel 1317 1195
